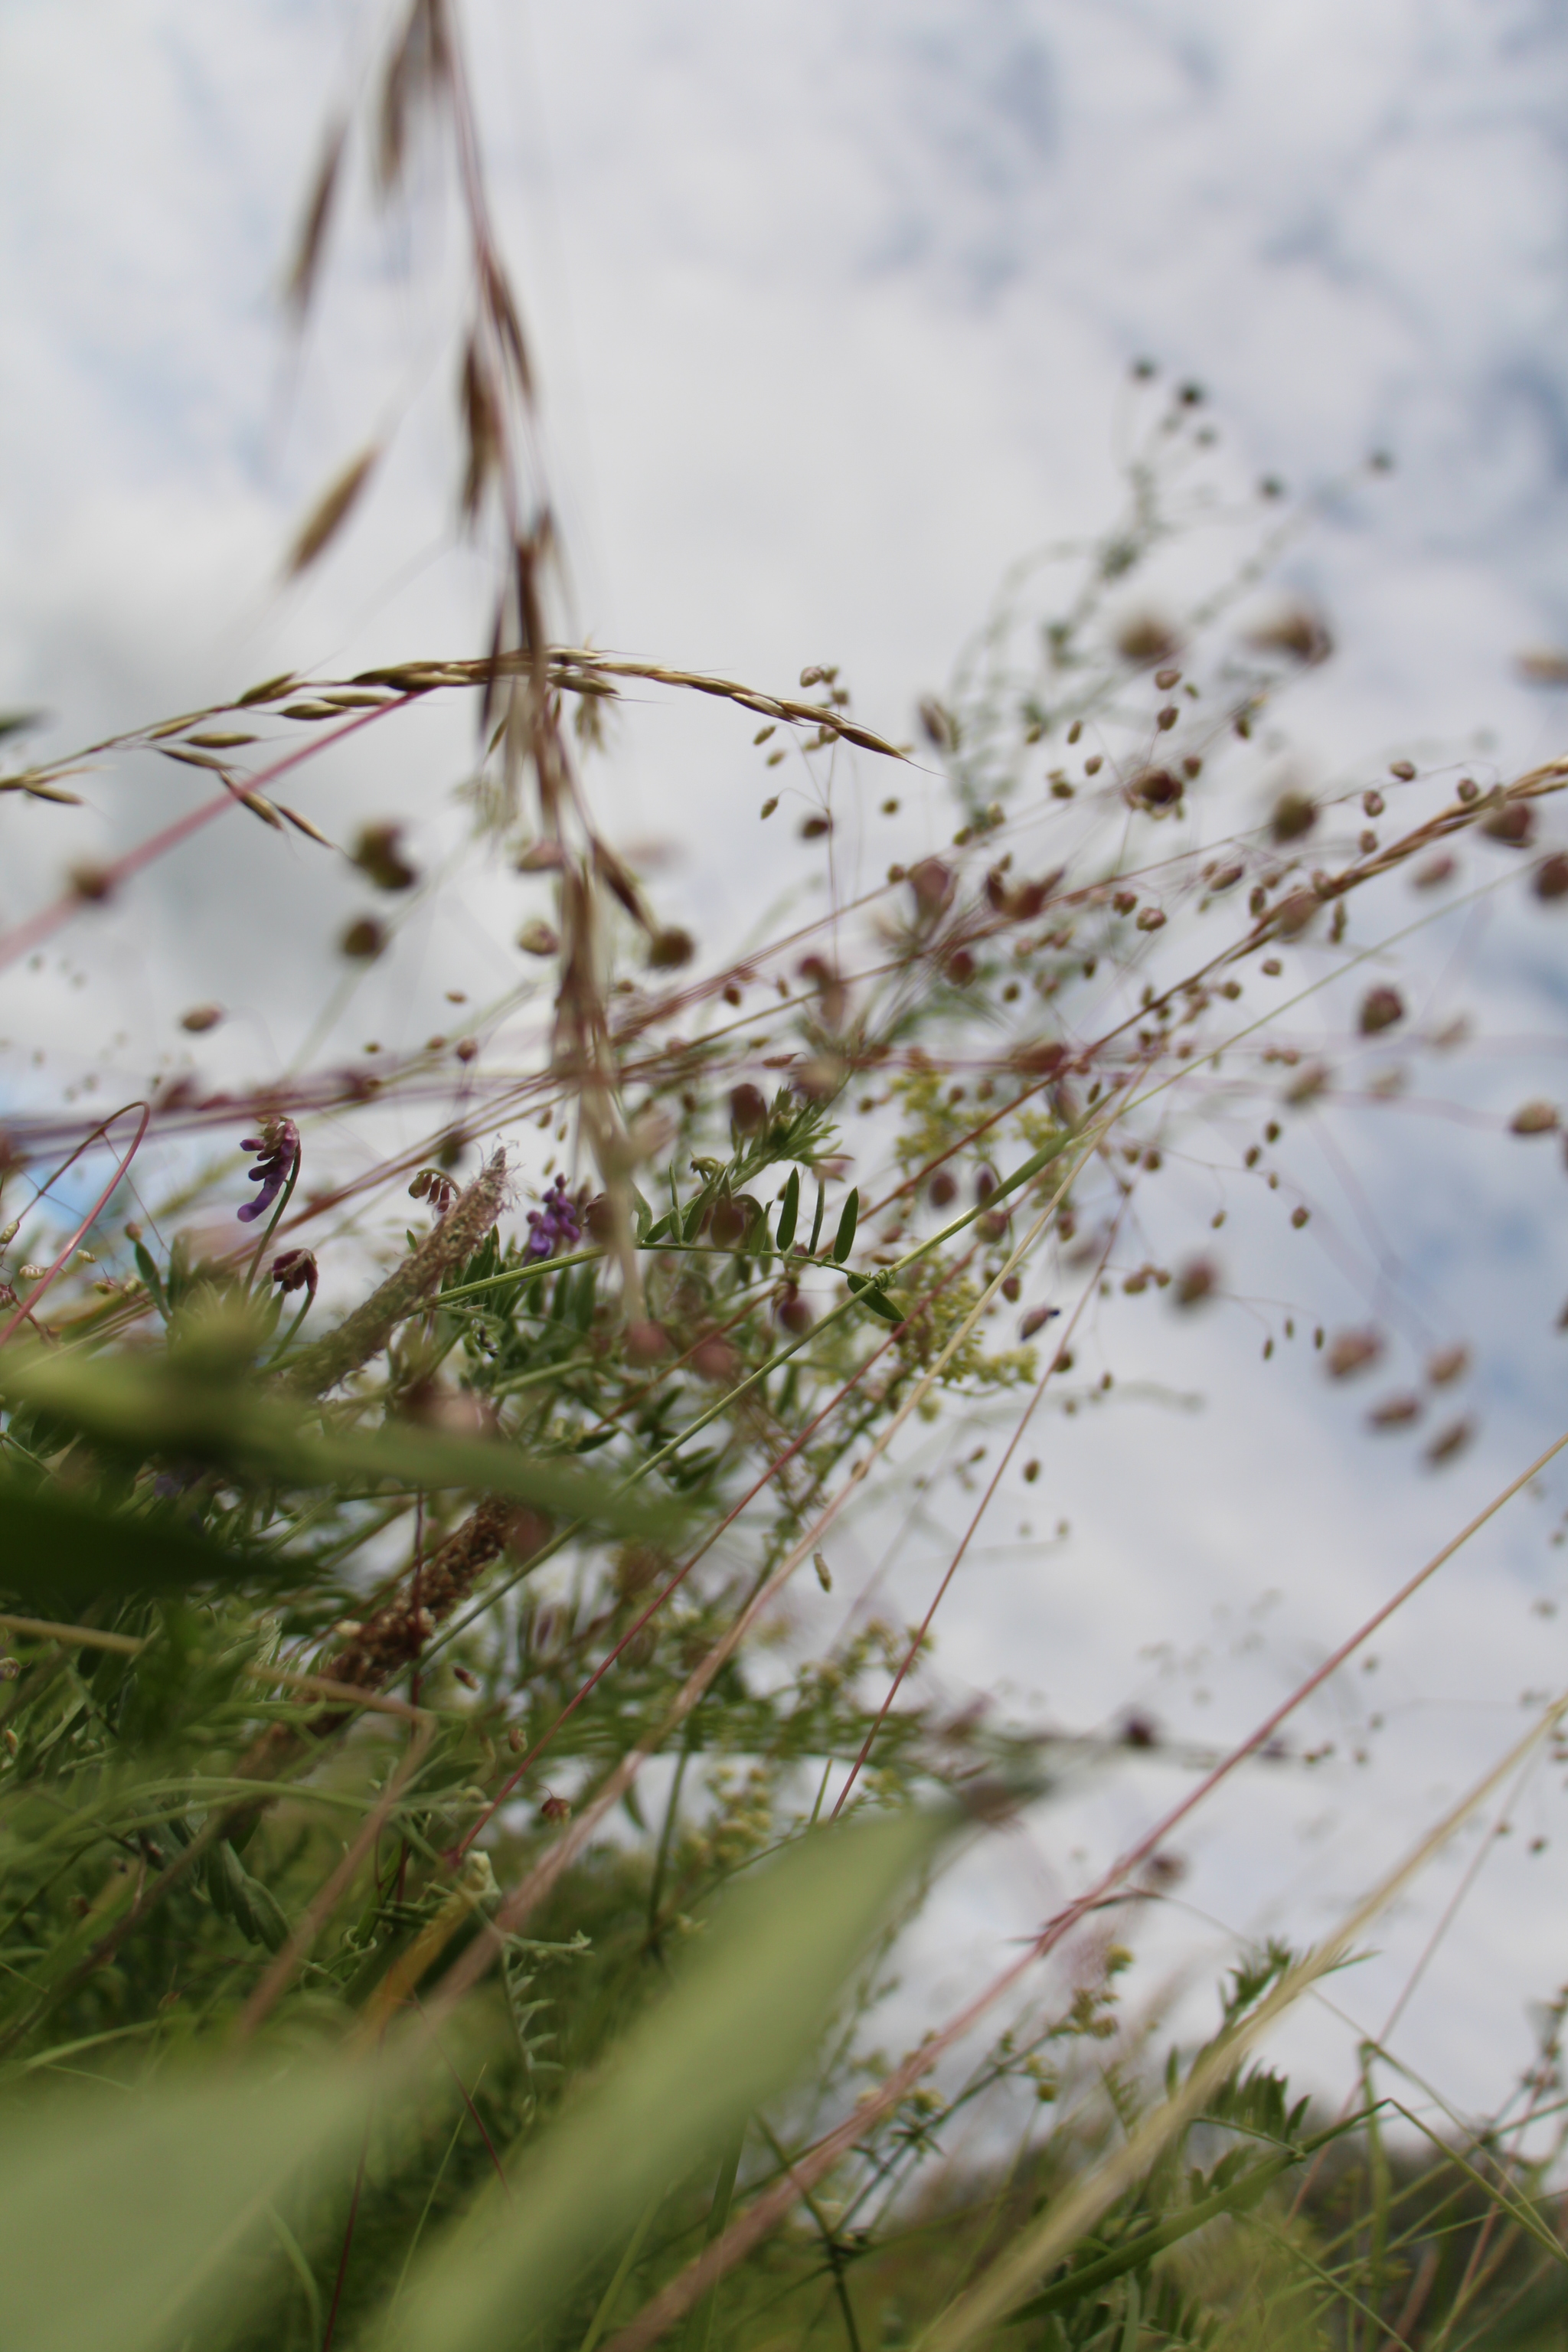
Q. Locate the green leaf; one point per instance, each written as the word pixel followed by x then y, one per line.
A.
pixel 872 1293
pixel 790 1212
pixel 843 1239
pixel 737 2027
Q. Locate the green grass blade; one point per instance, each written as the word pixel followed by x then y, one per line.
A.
pixel 731 2034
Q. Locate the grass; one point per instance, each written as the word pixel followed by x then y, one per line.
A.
pixel 439 1907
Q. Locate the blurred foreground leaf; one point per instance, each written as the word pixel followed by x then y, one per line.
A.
pixel 733 2033
pixel 200 1413
pixel 123 2213
pixel 64 1552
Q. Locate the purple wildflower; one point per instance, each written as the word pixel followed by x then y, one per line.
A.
pixel 278 1144
pixel 296 1269
pixel 556 1225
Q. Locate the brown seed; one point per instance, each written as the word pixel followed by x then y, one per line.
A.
pixel 377 854
pixel 645 1343
pixel 1394 1413
pixel 1294 814
pixel 1380 1009
pixel 943 1187
pixel 728 1224
pixel 1293 914
pixel 1448 1364
pixel 1449 1441
pixel 1145 638
pixel 1036 1321
pixel 1351 1352
pixel 1511 822
pixel 1533 1118
pixel 200 1018
pixel 1031 1472
pixel 364 940
pixel 1404 769
pixel 715 1359
pixel 748 1108
pixel 1434 871
pixel 1195 1282
pixel 1551 877
pixel 669 948
pixel 933 884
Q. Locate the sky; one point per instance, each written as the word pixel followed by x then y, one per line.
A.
pixel 834 308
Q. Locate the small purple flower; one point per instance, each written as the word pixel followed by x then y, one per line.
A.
pixel 555 1226
pixel 296 1269
pixel 278 1144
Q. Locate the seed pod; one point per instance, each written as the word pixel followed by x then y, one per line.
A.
pixel 1533 1118
pixel 1551 877
pixel 1351 1352
pixel 715 1359
pixel 1394 1413
pixel 645 1343
pixel 1404 769
pixel 1196 1281
pixel 943 1187
pixel 1449 1441
pixel 363 941
pixel 792 1312
pixel 1154 789
pixel 669 948
pixel 748 1108
pixel 1380 1009
pixel 824 1574
pixel 538 938
pixel 933 884
pixel 1294 814
pixel 1511 822
pixel 728 1223
pixel 1036 1321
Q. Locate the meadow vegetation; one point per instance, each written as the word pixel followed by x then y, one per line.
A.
pixel 438 1910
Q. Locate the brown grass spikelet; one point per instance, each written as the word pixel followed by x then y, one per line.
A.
pixel 1394 1413
pixel 1534 1118
pixel 299 283
pixel 330 512
pixel 1350 1352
